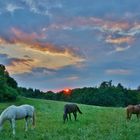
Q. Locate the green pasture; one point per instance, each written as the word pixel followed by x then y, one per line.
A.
pixel 96 123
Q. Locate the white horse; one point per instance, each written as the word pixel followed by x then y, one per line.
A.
pixel 13 113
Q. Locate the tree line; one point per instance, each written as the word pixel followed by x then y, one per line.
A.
pixel 8 86
pixel 106 94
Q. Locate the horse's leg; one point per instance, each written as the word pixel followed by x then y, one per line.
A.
pixel 34 120
pixel 75 115
pixel 69 116
pixel 26 124
pixel 31 122
pixel 13 126
pixel 64 118
pixel 137 115
pixel 10 123
pixel 130 116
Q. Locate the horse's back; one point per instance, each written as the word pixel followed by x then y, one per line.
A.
pixel 133 109
pixel 29 109
pixel 70 105
pixel 70 108
pixel 22 111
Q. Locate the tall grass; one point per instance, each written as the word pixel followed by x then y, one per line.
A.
pixel 96 123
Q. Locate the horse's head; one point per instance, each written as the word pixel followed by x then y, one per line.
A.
pixel 138 106
pixel 64 117
pixel 0 124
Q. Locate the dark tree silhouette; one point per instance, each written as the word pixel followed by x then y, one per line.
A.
pixel 8 86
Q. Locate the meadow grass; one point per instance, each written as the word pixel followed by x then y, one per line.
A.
pixel 96 123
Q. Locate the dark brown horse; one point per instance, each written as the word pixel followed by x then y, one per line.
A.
pixel 70 108
pixel 132 109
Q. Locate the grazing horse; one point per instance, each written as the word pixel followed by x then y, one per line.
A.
pixel 132 109
pixel 70 108
pixel 13 113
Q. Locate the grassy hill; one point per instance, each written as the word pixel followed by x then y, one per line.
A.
pixel 96 123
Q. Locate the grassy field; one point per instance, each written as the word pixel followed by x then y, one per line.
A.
pixel 96 123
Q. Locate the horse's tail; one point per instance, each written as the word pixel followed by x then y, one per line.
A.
pixel 79 110
pixel 33 119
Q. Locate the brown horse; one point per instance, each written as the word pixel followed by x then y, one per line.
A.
pixel 70 108
pixel 132 109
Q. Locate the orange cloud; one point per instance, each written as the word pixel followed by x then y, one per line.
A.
pixel 31 40
pixel 20 66
pixel 41 54
pixel 119 40
pixel 91 22
pixel 26 37
pixel 2 41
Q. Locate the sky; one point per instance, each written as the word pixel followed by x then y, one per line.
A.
pixel 57 44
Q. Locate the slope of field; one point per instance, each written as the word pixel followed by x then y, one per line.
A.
pixel 96 123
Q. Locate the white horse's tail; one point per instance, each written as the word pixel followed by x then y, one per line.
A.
pixel 34 119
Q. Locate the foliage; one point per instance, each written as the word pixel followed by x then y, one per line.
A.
pixel 105 95
pixel 8 86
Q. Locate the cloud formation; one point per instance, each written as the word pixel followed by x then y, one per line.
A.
pixel 118 72
pixel 119 40
pixel 119 34
pixel 91 23
pixel 70 44
pixel 26 53
pixel 12 7
pixel 42 7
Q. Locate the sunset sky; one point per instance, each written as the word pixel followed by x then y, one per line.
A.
pixel 57 44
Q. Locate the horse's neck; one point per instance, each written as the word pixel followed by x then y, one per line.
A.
pixel 3 117
pixel 1 120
